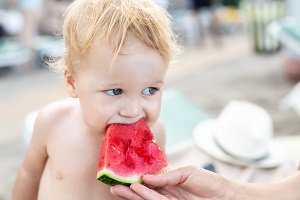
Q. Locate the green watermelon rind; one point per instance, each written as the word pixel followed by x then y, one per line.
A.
pixel 110 178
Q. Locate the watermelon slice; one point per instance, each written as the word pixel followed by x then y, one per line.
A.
pixel 128 151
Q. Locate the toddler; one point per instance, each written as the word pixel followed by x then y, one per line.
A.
pixel 116 56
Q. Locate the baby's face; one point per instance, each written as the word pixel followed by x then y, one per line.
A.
pixel 124 92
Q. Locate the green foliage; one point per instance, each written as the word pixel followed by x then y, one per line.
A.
pixel 234 3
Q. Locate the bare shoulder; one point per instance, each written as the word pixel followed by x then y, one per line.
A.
pixel 53 114
pixel 158 130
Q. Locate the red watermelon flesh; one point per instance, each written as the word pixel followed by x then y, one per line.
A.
pixel 128 152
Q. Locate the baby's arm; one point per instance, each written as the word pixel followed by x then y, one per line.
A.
pixel 28 179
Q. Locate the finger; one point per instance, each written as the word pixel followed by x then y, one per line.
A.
pixel 146 193
pixel 170 178
pixel 124 192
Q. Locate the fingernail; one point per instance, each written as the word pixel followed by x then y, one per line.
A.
pixel 133 184
pixel 148 175
pixel 112 190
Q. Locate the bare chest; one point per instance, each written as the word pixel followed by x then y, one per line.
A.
pixel 71 169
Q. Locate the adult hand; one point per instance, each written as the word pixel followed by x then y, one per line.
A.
pixel 183 183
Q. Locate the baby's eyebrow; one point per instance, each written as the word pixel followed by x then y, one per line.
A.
pixel 157 82
pixel 111 85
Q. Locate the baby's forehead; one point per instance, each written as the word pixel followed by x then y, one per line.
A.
pixel 133 52
pixel 131 45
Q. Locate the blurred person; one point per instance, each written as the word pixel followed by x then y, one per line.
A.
pixel 32 10
pixel 116 55
pixel 291 64
pixel 52 18
pixel 206 21
pixel 198 184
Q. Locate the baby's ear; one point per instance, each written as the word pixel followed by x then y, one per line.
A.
pixel 70 83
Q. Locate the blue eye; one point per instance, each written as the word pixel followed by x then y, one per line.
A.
pixel 114 92
pixel 150 91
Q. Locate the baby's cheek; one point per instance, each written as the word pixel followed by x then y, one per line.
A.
pixel 153 117
pixel 96 120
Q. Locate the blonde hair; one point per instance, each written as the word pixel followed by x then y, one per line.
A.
pixel 86 20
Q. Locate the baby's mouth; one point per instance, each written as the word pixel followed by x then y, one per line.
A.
pixel 125 123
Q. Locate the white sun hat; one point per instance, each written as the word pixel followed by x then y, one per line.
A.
pixel 241 135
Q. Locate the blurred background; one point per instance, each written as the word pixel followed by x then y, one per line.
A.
pixel 233 49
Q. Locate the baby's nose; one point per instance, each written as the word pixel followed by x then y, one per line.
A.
pixel 131 109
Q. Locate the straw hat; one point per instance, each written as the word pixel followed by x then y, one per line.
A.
pixel 241 135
